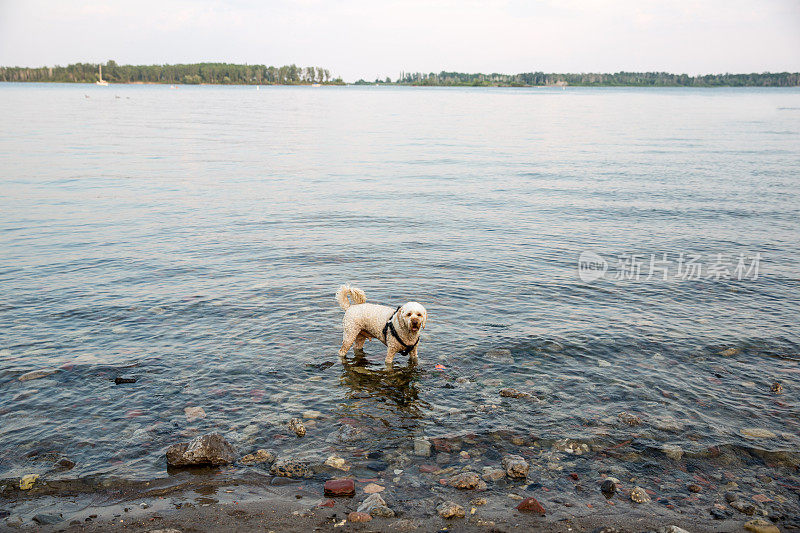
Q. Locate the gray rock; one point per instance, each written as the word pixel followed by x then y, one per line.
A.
pixel 422 447
pixel 47 519
pixel 744 507
pixel 450 509
pixel 516 466
pixel 375 506
pixel 207 449
pixel 36 374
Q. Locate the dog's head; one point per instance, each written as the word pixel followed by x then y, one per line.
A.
pixel 413 316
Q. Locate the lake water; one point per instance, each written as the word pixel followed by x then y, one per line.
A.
pixel 194 238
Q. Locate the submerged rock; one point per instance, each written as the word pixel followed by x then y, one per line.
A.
pixel 531 505
pixel 672 451
pixel 422 447
pixel 513 393
pixel 639 495
pixel 776 387
pixel 373 488
pixel 194 413
pixel 516 466
pixel 120 380
pixel 27 481
pixel 629 419
pixel 261 456
pixel 207 449
pixel 493 474
pixel 296 425
pixel 47 519
pixel 337 463
pixel 290 468
pixel 36 374
pixel 450 509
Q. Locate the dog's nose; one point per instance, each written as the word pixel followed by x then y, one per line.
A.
pixel 415 322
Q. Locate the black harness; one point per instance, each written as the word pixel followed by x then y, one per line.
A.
pixel 390 327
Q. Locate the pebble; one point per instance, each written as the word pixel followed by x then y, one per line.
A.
pixel 450 509
pixel 516 466
pixel 531 505
pixel 356 516
pixel 65 464
pixel 776 387
pixel 27 481
pixel 340 487
pixel 639 495
pixel 36 374
pixel 729 352
pixel 422 447
pixel 603 363
pixel 261 456
pixel 627 418
pixel 296 425
pixel 694 487
pixel 478 501
pixel 337 463
pixel 744 507
pixel 466 481
pixel 311 414
pixel 120 380
pixel 759 525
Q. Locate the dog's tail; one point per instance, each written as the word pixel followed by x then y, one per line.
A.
pixel 357 295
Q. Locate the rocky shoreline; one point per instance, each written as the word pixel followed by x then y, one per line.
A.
pixel 438 482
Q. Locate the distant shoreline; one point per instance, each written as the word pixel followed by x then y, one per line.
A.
pixel 236 74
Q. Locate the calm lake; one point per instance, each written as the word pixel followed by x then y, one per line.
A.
pixel 193 239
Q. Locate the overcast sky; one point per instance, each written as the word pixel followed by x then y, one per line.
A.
pixel 376 38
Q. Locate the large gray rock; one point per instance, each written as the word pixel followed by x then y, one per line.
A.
pixel 211 449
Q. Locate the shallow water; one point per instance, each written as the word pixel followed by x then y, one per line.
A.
pixel 194 239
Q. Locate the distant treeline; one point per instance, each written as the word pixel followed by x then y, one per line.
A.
pixel 195 73
pixel 622 79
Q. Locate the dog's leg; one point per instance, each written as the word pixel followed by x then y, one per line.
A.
pixel 412 356
pixel 359 345
pixel 347 341
pixel 390 353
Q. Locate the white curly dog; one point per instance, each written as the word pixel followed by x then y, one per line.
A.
pixel 398 329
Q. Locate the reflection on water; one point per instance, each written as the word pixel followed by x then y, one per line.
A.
pixel 198 253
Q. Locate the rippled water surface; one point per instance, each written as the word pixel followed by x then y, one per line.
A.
pixel 194 238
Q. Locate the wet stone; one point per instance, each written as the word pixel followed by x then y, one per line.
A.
pixel 744 507
pixel 356 516
pixel 465 481
pixel 450 509
pixel 513 393
pixel 493 474
pixel 639 495
pixel 119 380
pixel 516 466
pixel 210 449
pixel 296 425
pixel 422 447
pixel 44 519
pixel 759 525
pixel 608 487
pixel 65 464
pixel 290 468
pixel 261 456
pixel 694 487
pixel 340 487
pixel 375 506
pixel 531 505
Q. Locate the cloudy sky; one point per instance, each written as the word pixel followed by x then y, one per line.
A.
pixel 377 38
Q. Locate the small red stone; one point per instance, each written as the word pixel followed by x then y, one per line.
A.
pixel 442 445
pixel 326 503
pixel 574 476
pixel 428 469
pixel 530 505
pixel 340 487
